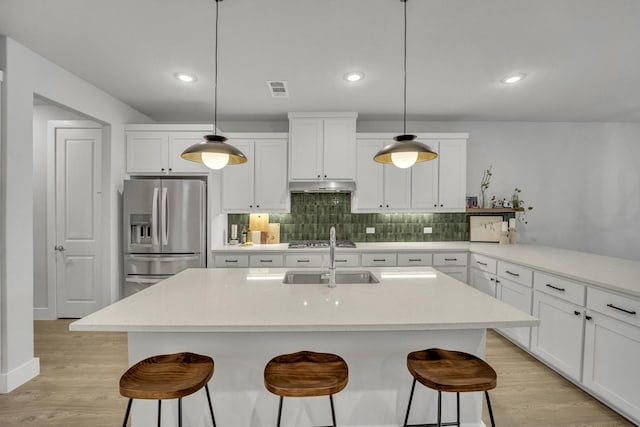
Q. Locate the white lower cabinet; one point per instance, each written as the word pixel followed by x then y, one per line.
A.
pixel 266 260
pixel 303 260
pixel 231 261
pixel 518 296
pixel 611 357
pixel 559 338
pixel 343 260
pixel 379 260
pixel 483 281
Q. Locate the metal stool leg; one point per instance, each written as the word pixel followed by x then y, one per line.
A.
pixel 333 412
pixel 126 414
pixel 279 411
pixel 458 408
pixel 439 408
pixel 406 417
pixel 206 387
pixel 179 412
pixel 159 413
pixel 493 424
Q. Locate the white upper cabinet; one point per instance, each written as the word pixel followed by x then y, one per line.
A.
pixel 322 146
pixel 260 184
pixel 441 184
pixel 434 186
pixel 379 187
pixel 156 149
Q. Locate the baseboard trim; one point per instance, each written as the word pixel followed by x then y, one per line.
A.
pixel 43 313
pixel 15 378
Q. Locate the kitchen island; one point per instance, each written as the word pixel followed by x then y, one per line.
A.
pixel 244 317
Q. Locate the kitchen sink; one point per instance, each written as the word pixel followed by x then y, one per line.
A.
pixel 322 277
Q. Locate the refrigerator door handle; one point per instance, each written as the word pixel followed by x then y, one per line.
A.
pixel 162 258
pixel 154 218
pixel 165 221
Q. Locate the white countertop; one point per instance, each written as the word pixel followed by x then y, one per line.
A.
pixel 250 300
pixel 606 272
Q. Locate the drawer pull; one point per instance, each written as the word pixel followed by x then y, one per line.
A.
pixel 621 309
pixel 266 260
pixel 230 260
pixel 415 259
pixel 452 259
pixel 302 260
pixel 341 260
pixel 513 274
pixel 588 317
pixel 379 260
pixel 548 285
pixel 482 263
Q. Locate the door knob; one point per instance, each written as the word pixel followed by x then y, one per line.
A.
pixel 59 248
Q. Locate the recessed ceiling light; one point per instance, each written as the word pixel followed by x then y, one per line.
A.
pixel 184 77
pixel 513 78
pixel 354 76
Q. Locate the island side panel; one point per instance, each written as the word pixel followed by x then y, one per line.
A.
pixel 377 393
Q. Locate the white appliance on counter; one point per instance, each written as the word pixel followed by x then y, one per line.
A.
pixel 164 224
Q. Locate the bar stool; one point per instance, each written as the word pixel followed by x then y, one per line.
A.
pixel 451 371
pixel 306 374
pixel 168 376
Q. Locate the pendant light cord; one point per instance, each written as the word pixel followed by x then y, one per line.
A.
pixel 215 79
pixel 404 70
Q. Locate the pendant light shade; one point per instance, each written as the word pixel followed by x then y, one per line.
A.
pixel 405 151
pixel 214 152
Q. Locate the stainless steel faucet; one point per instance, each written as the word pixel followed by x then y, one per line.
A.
pixel 332 257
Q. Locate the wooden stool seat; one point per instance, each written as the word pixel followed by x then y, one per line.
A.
pixel 306 374
pixel 167 376
pixel 451 371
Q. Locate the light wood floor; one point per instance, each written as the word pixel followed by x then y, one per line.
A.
pixel 78 386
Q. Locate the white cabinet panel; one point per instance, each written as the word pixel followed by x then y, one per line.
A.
pixel 343 260
pixel 266 260
pixel 178 142
pixel 559 338
pixel 559 287
pixel 379 260
pixel 147 152
pixel 231 261
pixel 611 355
pixel 303 260
pixel 260 184
pixel 516 273
pixel 452 175
pixel 450 259
pixel 484 263
pixel 518 296
pixel 459 273
pixel 397 188
pixel 414 259
pixel 483 281
pixel 339 157
pixel 424 183
pixel 614 305
pixel 305 139
pixel 369 194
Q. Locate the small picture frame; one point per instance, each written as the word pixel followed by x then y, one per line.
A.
pixel 472 202
pixel 484 228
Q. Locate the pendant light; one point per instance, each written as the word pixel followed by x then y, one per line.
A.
pixel 213 151
pixel 405 151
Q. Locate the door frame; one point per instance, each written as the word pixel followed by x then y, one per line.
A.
pixel 51 312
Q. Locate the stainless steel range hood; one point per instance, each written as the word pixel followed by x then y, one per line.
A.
pixel 322 186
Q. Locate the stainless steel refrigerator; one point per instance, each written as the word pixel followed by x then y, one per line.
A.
pixel 164 222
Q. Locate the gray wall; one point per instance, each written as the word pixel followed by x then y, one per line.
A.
pixel 583 179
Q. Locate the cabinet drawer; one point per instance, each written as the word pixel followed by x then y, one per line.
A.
pixel 266 260
pixel 451 259
pixel 303 260
pixel 516 273
pixel 459 273
pixel 484 263
pixel 344 260
pixel 231 261
pixel 379 260
pixel 614 305
pixel 559 287
pixel 414 259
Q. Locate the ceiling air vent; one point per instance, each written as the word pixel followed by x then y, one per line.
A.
pixel 278 89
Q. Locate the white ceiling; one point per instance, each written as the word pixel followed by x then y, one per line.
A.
pixel 582 57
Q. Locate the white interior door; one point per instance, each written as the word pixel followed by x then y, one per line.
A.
pixel 78 216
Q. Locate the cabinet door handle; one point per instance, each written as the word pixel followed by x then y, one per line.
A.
pixel 266 260
pixel 549 285
pixel 302 260
pixel 379 260
pixel 497 281
pixel 577 313
pixel 415 259
pixel 513 274
pixel 492 279
pixel 230 260
pixel 257 206
pixel 482 263
pixel 170 169
pixel 621 309
pixel 451 259
pixel 588 317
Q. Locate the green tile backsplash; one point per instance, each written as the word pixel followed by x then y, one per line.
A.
pixel 313 214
